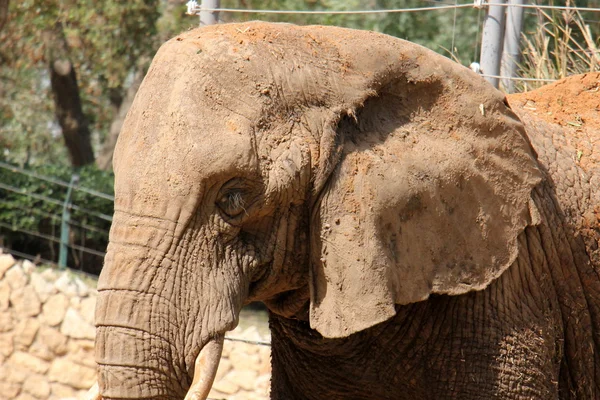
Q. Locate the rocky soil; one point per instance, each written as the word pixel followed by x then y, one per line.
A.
pixel 47 339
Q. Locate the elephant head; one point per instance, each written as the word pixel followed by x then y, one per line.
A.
pixel 330 173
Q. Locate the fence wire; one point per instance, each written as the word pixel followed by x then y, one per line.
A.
pixel 46 212
pixel 15 169
pixel 254 342
pixel 36 196
pixel 194 8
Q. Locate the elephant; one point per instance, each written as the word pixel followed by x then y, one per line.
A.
pixel 386 204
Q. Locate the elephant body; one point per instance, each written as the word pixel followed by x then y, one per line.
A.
pixel 531 334
pixel 407 235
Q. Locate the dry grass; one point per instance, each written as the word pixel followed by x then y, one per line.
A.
pixel 562 45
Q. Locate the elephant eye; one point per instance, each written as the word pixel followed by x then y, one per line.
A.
pixel 232 203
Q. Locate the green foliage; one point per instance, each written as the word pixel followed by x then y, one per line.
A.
pixel 29 134
pixel 32 204
pixel 106 39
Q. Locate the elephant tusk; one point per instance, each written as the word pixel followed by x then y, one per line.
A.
pixel 205 369
pixel 94 393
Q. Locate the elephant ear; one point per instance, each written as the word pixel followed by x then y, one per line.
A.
pixel 432 188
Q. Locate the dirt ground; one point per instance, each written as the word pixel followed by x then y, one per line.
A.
pixel 574 103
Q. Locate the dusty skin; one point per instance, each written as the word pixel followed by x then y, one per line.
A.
pixel 409 238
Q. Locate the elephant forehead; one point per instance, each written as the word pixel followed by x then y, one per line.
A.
pixel 182 120
pixel 185 155
pixel 174 146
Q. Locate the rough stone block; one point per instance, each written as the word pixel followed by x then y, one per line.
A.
pixel 41 351
pixel 25 301
pixel 37 386
pixel 53 340
pixel 241 360
pixel 82 351
pixel 75 302
pixel 224 368
pixel 16 277
pixel 25 333
pixel 244 378
pixel 72 374
pixel 4 295
pixel 55 308
pixel 9 390
pixel 6 344
pixel 226 386
pixel 28 362
pixel 12 373
pixel 60 391
pixel 69 285
pixel 7 322
pixel 6 261
pixel 262 384
pixel 28 266
pixel 227 346
pixel 244 348
pixel 88 308
pixel 50 274
pixel 43 288
pixel 25 396
pixel 82 289
pixel 75 326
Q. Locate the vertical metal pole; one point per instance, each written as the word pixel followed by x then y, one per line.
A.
pixel 492 41
pixel 209 17
pixel 510 57
pixel 64 223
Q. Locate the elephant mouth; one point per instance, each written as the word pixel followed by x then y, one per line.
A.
pixel 259 281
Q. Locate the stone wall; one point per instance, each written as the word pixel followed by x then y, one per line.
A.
pixel 47 339
pixel 46 333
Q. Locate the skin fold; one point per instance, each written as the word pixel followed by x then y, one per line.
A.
pixel 411 238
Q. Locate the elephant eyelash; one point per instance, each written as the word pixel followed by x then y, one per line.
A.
pixel 232 203
pixel 235 200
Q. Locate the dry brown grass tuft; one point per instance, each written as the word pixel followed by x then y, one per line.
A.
pixel 562 45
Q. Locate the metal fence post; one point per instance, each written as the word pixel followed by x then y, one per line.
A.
pixel 209 17
pixel 510 56
pixel 64 223
pixel 492 41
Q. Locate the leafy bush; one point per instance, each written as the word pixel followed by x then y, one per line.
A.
pixel 31 207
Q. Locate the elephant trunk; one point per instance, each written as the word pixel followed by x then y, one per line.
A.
pixel 133 362
pixel 137 341
pixel 160 318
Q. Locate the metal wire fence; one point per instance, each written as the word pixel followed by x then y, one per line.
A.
pixel 52 220
pixel 194 8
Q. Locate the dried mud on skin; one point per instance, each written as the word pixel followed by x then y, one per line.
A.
pixel 573 103
pixel 568 114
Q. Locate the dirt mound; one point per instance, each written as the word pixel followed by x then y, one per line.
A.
pixel 574 104
pixel 573 101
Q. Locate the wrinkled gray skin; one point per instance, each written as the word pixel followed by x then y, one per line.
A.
pixel 385 204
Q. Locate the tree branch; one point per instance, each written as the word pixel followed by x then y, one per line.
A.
pixel 65 90
pixel 3 13
pixel 106 154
